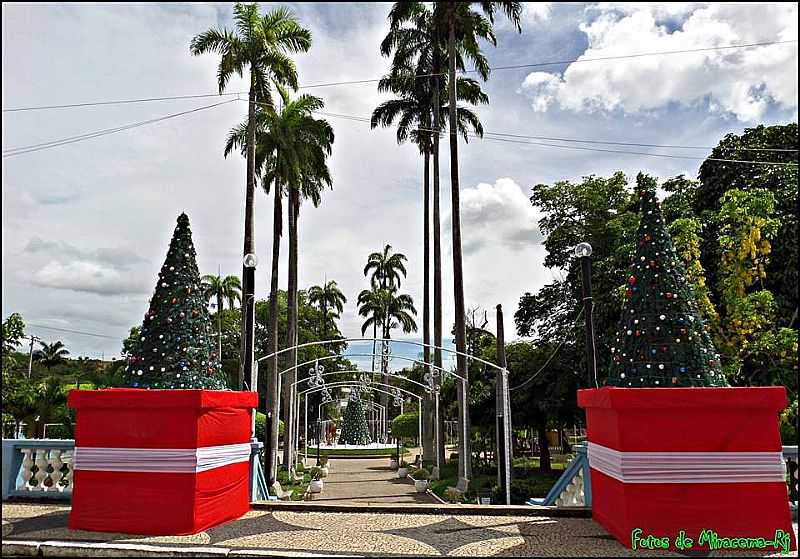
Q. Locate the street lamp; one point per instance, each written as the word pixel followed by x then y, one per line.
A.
pixel 250 261
pixel 584 252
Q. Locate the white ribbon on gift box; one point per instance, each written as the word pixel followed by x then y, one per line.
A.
pixel 160 460
pixel 687 467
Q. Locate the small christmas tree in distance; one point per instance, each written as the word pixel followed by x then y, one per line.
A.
pixel 176 348
pixel 354 422
pixel 661 340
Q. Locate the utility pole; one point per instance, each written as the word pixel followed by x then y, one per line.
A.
pixel 30 355
pixel 584 252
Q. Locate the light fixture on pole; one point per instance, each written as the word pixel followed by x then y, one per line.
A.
pixel 584 252
pixel 250 261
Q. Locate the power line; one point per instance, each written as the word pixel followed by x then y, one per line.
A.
pixel 98 133
pixel 549 359
pixel 74 331
pixel 639 55
pixel 119 102
pixel 489 136
pixel 375 80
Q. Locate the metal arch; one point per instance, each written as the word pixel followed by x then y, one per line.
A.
pixel 327 357
pixel 424 386
pixel 419 344
pixel 344 383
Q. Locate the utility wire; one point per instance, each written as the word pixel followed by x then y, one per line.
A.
pixel 119 102
pixel 98 133
pixel 375 80
pixel 74 331
pixel 549 359
pixel 489 136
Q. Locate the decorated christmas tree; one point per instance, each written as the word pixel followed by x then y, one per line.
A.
pixel 661 340
pixel 354 422
pixel 176 348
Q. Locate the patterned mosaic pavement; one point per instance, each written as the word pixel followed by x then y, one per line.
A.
pixel 361 533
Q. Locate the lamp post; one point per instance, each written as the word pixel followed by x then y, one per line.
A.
pixel 250 261
pixel 584 252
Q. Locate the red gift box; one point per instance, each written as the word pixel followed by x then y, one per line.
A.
pixel 160 462
pixel 689 467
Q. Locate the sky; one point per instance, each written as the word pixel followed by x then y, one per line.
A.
pixel 86 226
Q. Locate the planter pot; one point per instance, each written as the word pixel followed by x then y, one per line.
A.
pixel 420 485
pixel 324 471
pixel 402 473
pixel 160 462
pixel 315 486
pixel 667 462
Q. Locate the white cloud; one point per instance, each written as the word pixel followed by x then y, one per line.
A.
pixel 498 214
pixel 103 271
pixel 91 277
pixel 533 12
pixel 741 82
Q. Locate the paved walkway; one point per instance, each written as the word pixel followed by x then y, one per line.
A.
pixel 367 481
pixel 309 532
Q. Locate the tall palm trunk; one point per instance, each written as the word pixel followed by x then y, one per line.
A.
pixel 273 381
pixel 248 310
pixel 428 441
pixel 219 323
pixel 464 454
pixel 437 252
pixel 291 326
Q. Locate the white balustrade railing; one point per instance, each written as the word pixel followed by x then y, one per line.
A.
pixel 46 470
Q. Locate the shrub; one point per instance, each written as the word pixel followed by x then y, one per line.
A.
pixel 453 495
pixel 421 473
pixel 406 426
pixel 316 473
pixel 261 426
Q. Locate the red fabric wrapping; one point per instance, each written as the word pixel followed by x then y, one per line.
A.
pixel 160 503
pixel 687 420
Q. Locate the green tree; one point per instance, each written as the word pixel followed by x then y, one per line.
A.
pixel 51 355
pixel 228 288
pixel 661 339
pixel 756 349
pixel 330 300
pixel 176 348
pixel 262 45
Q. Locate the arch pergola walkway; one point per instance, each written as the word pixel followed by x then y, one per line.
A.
pixel 432 386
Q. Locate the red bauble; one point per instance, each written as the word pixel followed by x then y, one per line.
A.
pixel 628 292
pixel 174 300
pixel 632 280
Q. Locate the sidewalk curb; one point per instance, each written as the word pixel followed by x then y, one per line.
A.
pixel 52 548
pixel 419 508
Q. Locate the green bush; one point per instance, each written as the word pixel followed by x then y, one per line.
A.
pixel 316 473
pixel 406 426
pixel 421 473
pixel 261 426
pixel 789 424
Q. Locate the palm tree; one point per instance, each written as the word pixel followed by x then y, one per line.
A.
pixel 228 288
pixel 51 355
pixel 293 147
pixel 330 300
pixel 427 39
pixel 384 307
pixel 386 269
pixel 261 44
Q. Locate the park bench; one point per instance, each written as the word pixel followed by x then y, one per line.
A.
pixel 280 493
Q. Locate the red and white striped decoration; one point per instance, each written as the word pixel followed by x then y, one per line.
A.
pixel 687 467
pixel 160 460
